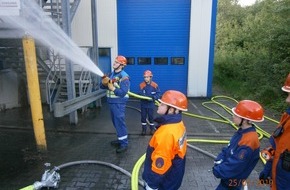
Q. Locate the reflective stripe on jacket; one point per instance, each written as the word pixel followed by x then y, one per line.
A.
pixel 122 83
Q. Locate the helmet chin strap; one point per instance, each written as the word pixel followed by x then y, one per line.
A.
pixel 241 123
pixel 166 113
pixel 118 67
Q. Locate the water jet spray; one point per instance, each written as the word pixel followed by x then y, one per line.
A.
pixel 32 20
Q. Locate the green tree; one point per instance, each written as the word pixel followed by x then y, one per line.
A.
pixel 252 52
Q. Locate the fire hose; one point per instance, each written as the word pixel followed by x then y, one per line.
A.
pixel 51 178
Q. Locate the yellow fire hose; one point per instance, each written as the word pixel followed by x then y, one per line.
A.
pixel 30 187
pixel 135 173
pixel 261 132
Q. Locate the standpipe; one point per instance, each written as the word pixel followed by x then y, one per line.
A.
pixel 34 92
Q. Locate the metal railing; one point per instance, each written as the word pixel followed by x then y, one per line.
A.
pixel 54 80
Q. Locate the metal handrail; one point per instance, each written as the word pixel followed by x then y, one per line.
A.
pixel 53 80
pixel 85 81
pixel 85 85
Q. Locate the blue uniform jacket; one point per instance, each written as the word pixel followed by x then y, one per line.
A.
pixel 120 93
pixel 239 158
pixel 150 90
pixel 164 164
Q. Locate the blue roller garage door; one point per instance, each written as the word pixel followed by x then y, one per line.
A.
pixel 154 35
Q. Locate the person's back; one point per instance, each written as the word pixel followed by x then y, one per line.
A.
pixel 236 161
pixel 276 172
pixel 164 164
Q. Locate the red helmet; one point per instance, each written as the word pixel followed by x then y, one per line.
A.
pixel 249 110
pixel 148 73
pixel 286 87
pixel 121 59
pixel 174 99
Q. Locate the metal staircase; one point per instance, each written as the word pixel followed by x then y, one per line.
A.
pixel 56 82
pixel 51 67
pixel 53 9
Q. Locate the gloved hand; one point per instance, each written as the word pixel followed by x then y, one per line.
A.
pixel 264 177
pixel 111 86
pixel 105 80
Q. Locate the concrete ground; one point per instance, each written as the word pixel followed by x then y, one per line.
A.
pixel 21 165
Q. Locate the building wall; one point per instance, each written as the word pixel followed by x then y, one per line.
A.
pixel 201 43
pixel 107 25
pixel 8 89
pixel 200 48
pixel 155 34
pixel 81 25
pixel 82 32
pixel 201 40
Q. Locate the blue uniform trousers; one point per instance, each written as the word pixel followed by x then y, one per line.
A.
pixel 147 112
pixel 118 118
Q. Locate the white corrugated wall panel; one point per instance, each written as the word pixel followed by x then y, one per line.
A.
pixel 107 25
pixel 199 46
pixel 81 26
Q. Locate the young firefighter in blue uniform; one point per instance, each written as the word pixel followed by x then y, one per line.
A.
pixel 117 85
pixel 150 89
pixel 164 164
pixel 236 161
pixel 277 169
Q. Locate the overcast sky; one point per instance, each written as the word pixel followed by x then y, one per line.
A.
pixel 246 2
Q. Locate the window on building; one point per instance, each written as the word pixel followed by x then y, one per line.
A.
pixel 177 60
pixel 130 60
pixel 144 60
pixel 104 52
pixel 161 60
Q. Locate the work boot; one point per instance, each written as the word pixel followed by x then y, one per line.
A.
pixel 121 149
pixel 143 131
pixel 116 143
